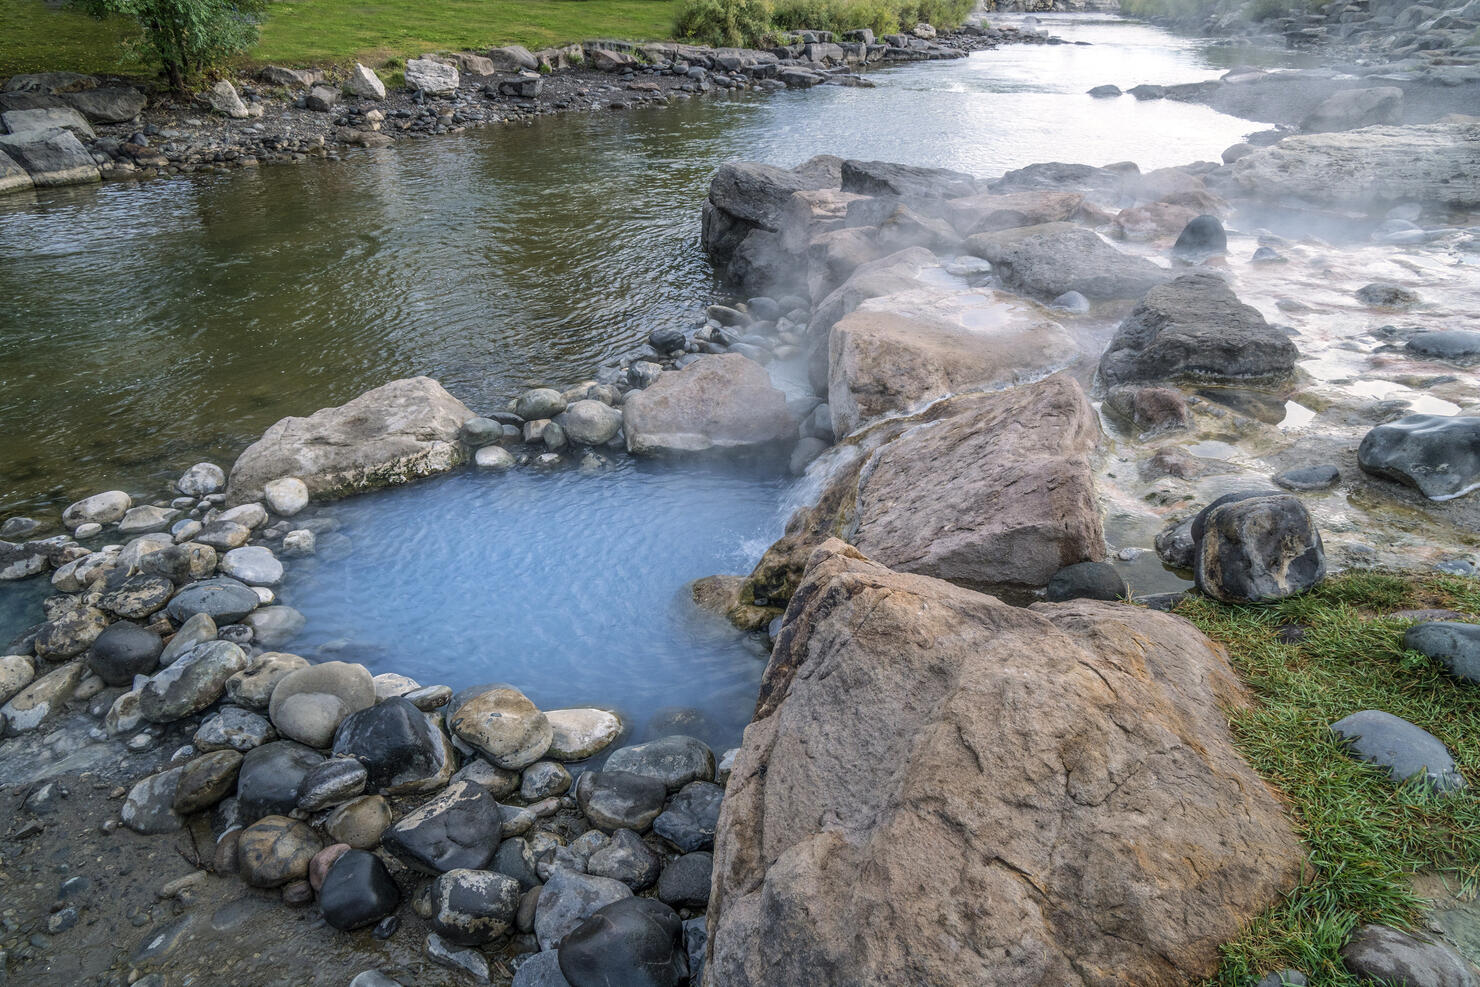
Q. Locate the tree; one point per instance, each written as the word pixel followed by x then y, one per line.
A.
pixel 188 36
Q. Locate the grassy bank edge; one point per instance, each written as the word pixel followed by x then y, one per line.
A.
pixel 1366 837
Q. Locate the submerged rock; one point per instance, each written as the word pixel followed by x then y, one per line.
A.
pixel 397 432
pixel 1437 454
pixel 1059 755
pixel 1196 328
pixel 722 402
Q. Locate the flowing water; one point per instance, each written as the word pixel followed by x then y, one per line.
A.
pixel 148 326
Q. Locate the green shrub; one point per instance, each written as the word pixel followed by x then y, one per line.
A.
pixel 188 36
pixel 755 23
pixel 724 23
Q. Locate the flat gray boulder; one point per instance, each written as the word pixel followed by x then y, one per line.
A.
pixel 1048 264
pixel 719 403
pixel 13 177
pixel 887 178
pixel 431 76
pixel 1380 954
pixel 1436 163
pixel 1353 108
pixel 1195 328
pixel 900 350
pixel 25 121
pixel 1407 751
pixel 398 432
pixel 51 157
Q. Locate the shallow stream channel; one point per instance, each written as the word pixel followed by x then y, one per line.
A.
pixel 153 325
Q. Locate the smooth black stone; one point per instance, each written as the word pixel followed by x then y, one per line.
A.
pixel 1309 478
pixel 690 819
pixel 226 600
pixel 1203 236
pixel 1259 549
pixel 124 650
pixel 614 800
pixel 1454 645
pixel 394 741
pixel 515 859
pixel 332 782
pixel 667 339
pixel 635 942
pixel 1405 749
pixel 1438 454
pixel 1199 523
pixel 675 760
pixel 473 908
pixel 685 881
pixel 1455 344
pixel 458 828
pixel 1086 581
pixel 270 776
pixel 358 891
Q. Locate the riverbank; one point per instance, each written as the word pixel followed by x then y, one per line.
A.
pixel 74 129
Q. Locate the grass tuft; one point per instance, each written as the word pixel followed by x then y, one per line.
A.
pixel 1366 837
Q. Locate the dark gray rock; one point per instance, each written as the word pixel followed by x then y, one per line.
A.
pixel 517 860
pixel 398 745
pixel 887 178
pixel 192 683
pixel 331 783
pixel 224 600
pixel 1049 264
pixel 685 880
pixel 108 104
pixel 1200 520
pixel 1058 175
pixel 358 891
pixel 1381 294
pixel 1454 645
pixel 233 728
pixel 691 816
pixel 1086 581
pixel 270 777
pixel 1174 544
pixel 124 650
pixel 149 807
pixel 636 942
pixel 666 339
pixel 1405 750
pixel 541 970
pixel 568 899
pixel 1306 478
pixel 1459 345
pixel 1101 92
pixel 1202 237
pixel 207 780
pixel 1379 954
pixel 675 760
pixel 1196 328
pixel 51 157
pixel 138 596
pixel 628 859
pixel 1282 978
pixel 614 800
pixel 1437 454
pixel 458 829
pixel 473 907
pixel 1259 550
pixel 696 943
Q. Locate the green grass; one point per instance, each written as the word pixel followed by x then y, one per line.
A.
pixel 36 38
pixel 1366 837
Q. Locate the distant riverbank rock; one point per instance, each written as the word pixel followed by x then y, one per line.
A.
pixel 1195 328
pixel 399 431
pixel 1353 108
pixel 1436 162
pixel 899 350
pixel 1072 761
pixel 719 403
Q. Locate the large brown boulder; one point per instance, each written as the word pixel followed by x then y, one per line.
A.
pixel 941 789
pixel 897 351
pixel 717 403
pixel 1001 495
pixel 398 432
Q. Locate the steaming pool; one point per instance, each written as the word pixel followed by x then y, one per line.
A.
pixel 161 323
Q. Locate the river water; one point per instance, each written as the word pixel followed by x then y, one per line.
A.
pixel 152 325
